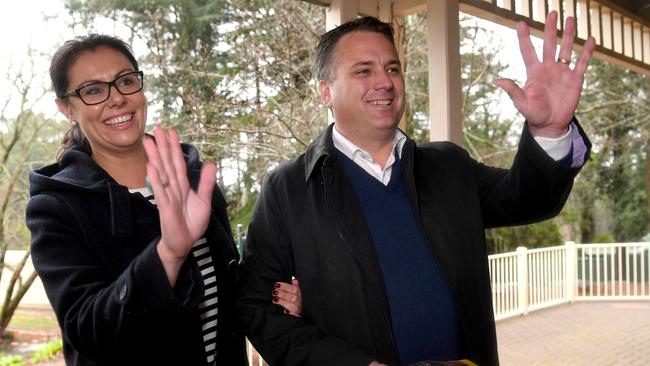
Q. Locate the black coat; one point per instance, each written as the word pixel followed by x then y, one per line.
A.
pixel 309 223
pixel 94 247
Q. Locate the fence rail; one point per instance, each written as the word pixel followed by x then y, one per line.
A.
pixel 528 280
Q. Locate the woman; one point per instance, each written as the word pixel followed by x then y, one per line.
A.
pixel 134 277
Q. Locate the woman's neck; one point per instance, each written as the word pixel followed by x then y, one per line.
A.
pixel 128 170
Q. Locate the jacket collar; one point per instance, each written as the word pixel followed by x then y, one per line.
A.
pixel 320 148
pixel 323 146
pixel 76 170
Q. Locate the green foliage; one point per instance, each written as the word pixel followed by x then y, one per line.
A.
pixel 507 239
pixel 603 238
pixel 11 360
pixel 614 109
pixel 243 214
pixel 49 351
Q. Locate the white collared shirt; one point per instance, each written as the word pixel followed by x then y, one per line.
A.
pixel 557 148
pixel 363 159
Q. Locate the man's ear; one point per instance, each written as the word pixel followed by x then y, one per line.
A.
pixel 64 108
pixel 325 95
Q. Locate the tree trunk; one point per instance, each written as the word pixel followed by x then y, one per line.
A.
pixel 12 299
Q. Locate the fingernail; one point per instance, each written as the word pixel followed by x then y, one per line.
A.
pixel 275 293
pixel 275 299
pixel 277 284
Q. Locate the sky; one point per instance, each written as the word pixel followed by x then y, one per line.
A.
pixel 39 27
pixel 23 24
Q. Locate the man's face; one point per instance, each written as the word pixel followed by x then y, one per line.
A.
pixel 367 93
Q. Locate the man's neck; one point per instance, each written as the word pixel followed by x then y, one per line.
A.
pixel 379 144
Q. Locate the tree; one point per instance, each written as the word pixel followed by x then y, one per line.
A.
pixel 177 43
pixel 612 194
pixel 278 109
pixel 235 76
pixel 25 139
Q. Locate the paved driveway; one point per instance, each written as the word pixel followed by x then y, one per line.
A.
pixel 583 333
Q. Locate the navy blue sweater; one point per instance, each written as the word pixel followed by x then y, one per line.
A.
pixel 423 316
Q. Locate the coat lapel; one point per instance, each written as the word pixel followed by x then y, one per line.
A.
pixel 438 239
pixel 347 214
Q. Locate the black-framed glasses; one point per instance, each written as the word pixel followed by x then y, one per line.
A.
pixel 99 91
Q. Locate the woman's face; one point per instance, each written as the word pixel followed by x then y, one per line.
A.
pixel 115 126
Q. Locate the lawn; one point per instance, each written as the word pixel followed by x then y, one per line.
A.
pixel 20 348
pixel 34 320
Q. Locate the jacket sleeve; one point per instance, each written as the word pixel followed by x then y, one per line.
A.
pixel 535 188
pixel 281 339
pixel 96 308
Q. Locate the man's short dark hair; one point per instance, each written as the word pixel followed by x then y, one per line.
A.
pixel 329 40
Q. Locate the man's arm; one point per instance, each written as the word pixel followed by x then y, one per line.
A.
pixel 535 188
pixel 281 338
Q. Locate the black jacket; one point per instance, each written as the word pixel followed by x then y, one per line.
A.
pixel 94 247
pixel 308 223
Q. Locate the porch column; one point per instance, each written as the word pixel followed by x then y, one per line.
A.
pixel 443 40
pixel 339 12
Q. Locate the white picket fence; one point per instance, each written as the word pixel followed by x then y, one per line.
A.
pixel 528 280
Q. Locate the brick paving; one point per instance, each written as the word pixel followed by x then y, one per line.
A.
pixel 583 333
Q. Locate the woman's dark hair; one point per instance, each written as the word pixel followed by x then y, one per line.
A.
pixel 63 59
pixel 328 41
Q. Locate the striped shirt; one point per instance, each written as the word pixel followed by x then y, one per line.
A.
pixel 209 309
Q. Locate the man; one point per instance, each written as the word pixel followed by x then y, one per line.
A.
pixel 386 237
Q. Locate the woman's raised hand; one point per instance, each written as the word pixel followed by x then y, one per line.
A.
pixel 184 213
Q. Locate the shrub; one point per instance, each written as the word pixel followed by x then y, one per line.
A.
pixel 49 351
pixel 11 360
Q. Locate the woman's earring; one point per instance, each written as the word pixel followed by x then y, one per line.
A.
pixel 74 123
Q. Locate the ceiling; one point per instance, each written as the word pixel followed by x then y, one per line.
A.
pixel 640 8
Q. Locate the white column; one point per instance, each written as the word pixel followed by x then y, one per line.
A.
pixel 571 273
pixel 522 279
pixel 385 11
pixel 443 40
pixel 339 12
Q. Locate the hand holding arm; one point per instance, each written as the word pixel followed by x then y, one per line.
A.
pixel 552 90
pixel 184 213
pixel 289 297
